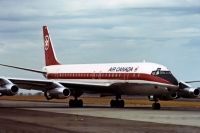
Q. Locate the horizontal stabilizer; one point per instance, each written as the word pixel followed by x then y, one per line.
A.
pixel 22 68
pixel 196 81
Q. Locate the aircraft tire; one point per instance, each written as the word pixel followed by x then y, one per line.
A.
pixel 113 103
pixel 156 106
pixel 80 103
pixel 121 103
pixel 75 103
pixel 71 103
pixel 117 103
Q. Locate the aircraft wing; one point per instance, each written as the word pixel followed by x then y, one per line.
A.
pixel 44 85
pixel 31 84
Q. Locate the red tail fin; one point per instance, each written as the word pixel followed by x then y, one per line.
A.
pixel 50 57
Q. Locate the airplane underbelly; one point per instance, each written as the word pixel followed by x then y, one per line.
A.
pixel 127 87
pixel 144 90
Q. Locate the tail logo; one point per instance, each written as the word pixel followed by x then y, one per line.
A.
pixel 46 41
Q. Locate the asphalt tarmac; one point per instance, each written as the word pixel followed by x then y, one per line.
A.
pixel 47 117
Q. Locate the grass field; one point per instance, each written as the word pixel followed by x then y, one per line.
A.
pixel 130 102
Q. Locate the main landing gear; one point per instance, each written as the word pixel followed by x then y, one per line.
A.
pixel 75 103
pixel 117 103
pixel 156 105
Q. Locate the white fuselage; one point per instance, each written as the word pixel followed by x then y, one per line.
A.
pixel 111 68
pixel 132 73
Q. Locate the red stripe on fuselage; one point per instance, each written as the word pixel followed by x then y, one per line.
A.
pixel 108 76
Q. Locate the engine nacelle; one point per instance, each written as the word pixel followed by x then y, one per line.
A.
pixel 58 92
pixel 189 92
pixel 7 88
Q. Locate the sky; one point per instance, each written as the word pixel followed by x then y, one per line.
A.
pixel 101 31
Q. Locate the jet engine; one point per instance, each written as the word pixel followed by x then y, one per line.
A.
pixel 57 92
pixel 7 88
pixel 186 91
pixel 189 92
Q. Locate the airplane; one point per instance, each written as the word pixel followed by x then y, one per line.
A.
pixel 112 79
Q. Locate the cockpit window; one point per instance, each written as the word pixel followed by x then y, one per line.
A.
pixel 165 72
pixel 159 72
pixel 167 75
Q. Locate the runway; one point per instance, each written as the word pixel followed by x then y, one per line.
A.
pixel 189 118
pixel 24 116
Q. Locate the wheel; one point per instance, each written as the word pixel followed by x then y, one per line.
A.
pixel 80 103
pixel 121 104
pixel 112 103
pixel 117 103
pixel 71 103
pixel 75 103
pixel 156 106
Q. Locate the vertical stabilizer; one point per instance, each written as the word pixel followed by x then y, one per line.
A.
pixel 50 57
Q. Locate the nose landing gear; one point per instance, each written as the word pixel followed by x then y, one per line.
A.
pixel 117 103
pixel 156 104
pixel 74 103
